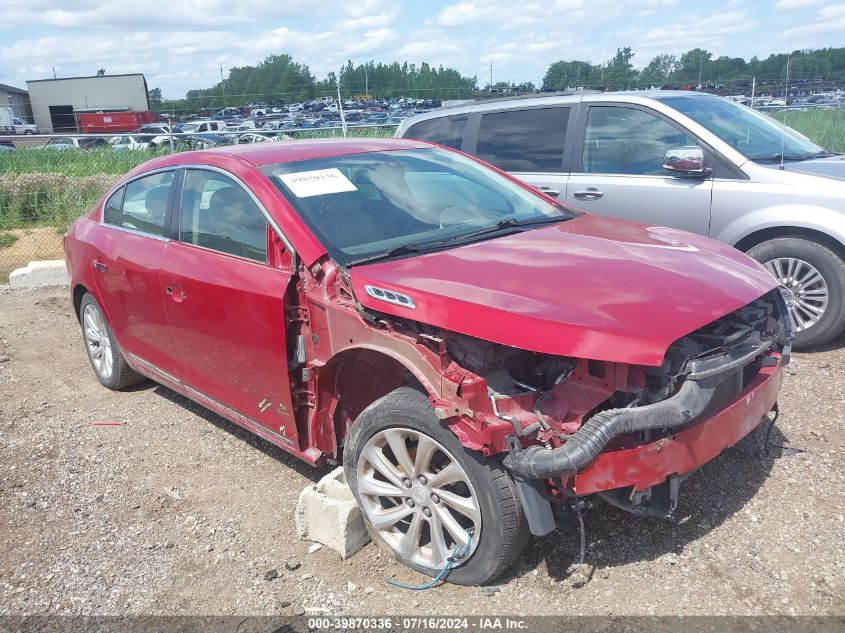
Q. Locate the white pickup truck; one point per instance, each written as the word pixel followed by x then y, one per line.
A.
pixel 7 125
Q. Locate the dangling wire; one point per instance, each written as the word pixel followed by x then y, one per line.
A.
pixel 774 419
pixel 455 556
pixel 576 566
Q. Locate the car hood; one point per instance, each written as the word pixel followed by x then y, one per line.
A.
pixel 830 166
pixel 592 287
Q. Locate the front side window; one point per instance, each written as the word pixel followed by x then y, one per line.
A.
pixel 381 204
pixel 622 140
pixel 218 214
pixel 757 136
pixel 447 130
pixel 523 140
pixel 145 203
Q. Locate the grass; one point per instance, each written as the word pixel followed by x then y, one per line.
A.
pixel 824 126
pixel 7 239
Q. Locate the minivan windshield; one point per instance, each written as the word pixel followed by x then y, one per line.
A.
pixel 378 205
pixel 757 136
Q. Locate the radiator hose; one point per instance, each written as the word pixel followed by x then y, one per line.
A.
pixel 583 446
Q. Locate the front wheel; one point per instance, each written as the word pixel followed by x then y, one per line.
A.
pixel 424 496
pixel 813 283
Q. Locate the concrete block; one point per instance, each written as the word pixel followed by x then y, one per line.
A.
pixel 44 273
pixel 328 513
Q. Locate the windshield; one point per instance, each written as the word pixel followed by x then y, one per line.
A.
pixel 190 127
pixel 757 136
pixel 376 204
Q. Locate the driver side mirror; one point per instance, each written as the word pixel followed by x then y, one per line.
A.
pixel 686 162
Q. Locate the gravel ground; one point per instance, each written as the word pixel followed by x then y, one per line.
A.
pixel 177 511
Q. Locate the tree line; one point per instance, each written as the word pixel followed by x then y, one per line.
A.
pixel 695 67
pixel 281 79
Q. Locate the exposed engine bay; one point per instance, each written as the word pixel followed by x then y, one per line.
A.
pixel 554 415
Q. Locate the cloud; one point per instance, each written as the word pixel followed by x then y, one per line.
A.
pixel 791 5
pixel 830 19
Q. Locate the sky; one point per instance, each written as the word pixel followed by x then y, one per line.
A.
pixel 183 44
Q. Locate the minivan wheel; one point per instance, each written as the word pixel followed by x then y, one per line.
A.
pixel 813 284
pixel 421 492
pixel 105 356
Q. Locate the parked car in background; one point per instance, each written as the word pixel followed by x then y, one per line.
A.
pixel 84 143
pixel 200 127
pixel 22 127
pixel 688 160
pixel 482 359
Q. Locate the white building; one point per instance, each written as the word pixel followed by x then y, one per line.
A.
pixel 55 102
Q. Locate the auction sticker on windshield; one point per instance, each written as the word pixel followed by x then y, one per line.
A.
pixel 318 182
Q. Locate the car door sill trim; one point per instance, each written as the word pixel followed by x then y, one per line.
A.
pixel 168 380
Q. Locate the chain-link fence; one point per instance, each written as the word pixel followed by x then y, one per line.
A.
pixel 824 125
pixel 47 181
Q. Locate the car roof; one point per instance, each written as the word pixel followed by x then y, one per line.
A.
pixel 288 151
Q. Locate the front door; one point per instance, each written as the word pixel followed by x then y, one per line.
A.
pixel 225 304
pixel 126 266
pixel 621 171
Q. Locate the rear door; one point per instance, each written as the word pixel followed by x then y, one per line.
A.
pixel 225 301
pixel 528 143
pixel 127 252
pixel 618 169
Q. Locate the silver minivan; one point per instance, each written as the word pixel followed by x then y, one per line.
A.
pixel 688 160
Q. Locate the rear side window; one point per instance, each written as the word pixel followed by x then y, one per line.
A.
pixel 145 203
pixel 523 140
pixel 447 130
pixel 112 208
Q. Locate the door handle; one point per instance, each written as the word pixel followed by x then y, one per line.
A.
pixel 590 193
pixel 554 193
pixel 100 266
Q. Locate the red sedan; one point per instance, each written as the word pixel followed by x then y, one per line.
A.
pixel 484 359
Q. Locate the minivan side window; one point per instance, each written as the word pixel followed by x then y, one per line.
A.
pixel 447 130
pixel 621 140
pixel 145 203
pixel 523 140
pixel 218 214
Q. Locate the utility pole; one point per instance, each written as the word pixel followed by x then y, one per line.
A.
pixel 491 76
pixel 222 85
pixel 700 64
pixel 366 82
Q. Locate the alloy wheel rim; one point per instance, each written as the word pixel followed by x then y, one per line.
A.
pixel 417 497
pixel 97 342
pixel 804 289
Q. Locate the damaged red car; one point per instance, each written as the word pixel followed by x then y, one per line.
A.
pixel 483 360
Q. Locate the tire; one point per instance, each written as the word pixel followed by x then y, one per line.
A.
pixel 25 132
pixel 108 363
pixel 500 530
pixel 776 256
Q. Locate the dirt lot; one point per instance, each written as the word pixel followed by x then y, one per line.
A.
pixel 176 511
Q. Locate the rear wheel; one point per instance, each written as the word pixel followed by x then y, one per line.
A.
pixel 813 280
pixel 107 360
pixel 424 496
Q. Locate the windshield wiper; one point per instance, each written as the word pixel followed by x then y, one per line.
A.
pixel 402 249
pixel 460 239
pixel 791 157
